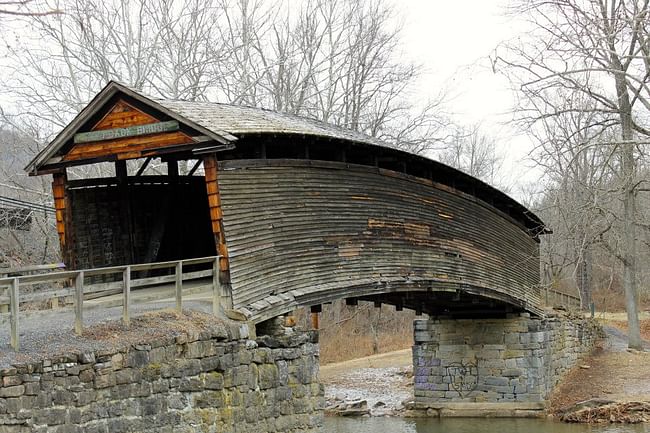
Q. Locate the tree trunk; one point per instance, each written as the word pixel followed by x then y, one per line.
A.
pixel 629 226
pixel 583 278
pixel 629 254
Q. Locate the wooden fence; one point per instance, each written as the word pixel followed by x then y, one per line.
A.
pixel 554 298
pixel 79 290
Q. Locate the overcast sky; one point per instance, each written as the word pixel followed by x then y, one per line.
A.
pixel 452 40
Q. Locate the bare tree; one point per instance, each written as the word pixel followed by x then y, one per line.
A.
pixel 597 48
pixel 474 152
pixel 24 8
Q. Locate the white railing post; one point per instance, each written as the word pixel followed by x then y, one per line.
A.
pixel 79 300
pixel 14 305
pixel 126 285
pixel 179 286
pixel 216 286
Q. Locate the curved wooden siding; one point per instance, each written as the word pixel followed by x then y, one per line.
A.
pixel 300 229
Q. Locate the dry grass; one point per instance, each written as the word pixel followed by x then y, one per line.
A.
pixel 621 376
pixel 349 332
pixel 342 348
pixel 622 325
pixel 149 326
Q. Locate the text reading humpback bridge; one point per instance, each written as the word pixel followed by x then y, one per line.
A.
pixel 301 212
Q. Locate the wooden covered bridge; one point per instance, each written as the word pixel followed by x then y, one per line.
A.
pixel 301 212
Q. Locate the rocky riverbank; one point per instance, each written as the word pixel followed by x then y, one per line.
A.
pixel 374 386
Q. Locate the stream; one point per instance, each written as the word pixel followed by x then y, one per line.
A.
pixel 469 425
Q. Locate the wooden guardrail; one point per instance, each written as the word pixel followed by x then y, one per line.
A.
pixel 80 290
pixel 555 298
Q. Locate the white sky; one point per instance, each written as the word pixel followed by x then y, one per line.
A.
pixel 452 40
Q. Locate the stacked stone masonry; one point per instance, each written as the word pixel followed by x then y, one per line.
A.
pixel 517 359
pixel 217 381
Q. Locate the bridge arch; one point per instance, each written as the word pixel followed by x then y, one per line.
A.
pixel 301 212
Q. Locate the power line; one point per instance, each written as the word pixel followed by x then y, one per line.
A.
pixel 26 204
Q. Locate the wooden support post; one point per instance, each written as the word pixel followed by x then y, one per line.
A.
pixel 121 172
pixel 195 167
pixel 14 305
pixel 179 286
pixel 78 304
pixel 172 168
pixel 315 319
pixel 126 285
pixel 143 167
pixel 546 291
pixel 216 286
pixel 58 191
pixel 210 167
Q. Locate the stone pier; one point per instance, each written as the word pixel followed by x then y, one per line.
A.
pixel 495 367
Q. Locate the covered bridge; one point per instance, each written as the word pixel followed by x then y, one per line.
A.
pixel 302 212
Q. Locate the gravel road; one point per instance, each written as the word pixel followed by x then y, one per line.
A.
pixel 51 332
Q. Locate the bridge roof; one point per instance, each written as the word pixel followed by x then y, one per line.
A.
pixel 226 123
pixel 242 120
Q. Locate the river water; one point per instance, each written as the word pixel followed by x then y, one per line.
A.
pixel 468 425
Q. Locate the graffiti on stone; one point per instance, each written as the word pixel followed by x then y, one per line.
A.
pixel 463 376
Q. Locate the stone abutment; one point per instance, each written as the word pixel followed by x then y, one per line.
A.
pixel 495 367
pixel 222 379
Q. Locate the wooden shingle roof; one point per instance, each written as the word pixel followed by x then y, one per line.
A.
pixel 240 120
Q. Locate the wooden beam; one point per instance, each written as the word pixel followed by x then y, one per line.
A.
pixel 128 147
pixel 78 303
pixel 195 167
pixel 315 321
pixel 179 287
pixel 210 166
pixel 143 167
pixel 125 205
pixel 172 168
pixel 60 203
pixel 15 305
pixel 126 295
pixel 120 171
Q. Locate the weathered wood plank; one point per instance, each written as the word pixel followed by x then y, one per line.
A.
pixel 14 308
pixel 78 303
pixel 123 114
pixel 179 287
pixel 128 147
pixel 210 167
pixel 58 191
pixel 307 227
pixel 126 132
pixel 126 300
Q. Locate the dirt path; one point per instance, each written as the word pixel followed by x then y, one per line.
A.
pixel 611 373
pixel 399 358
